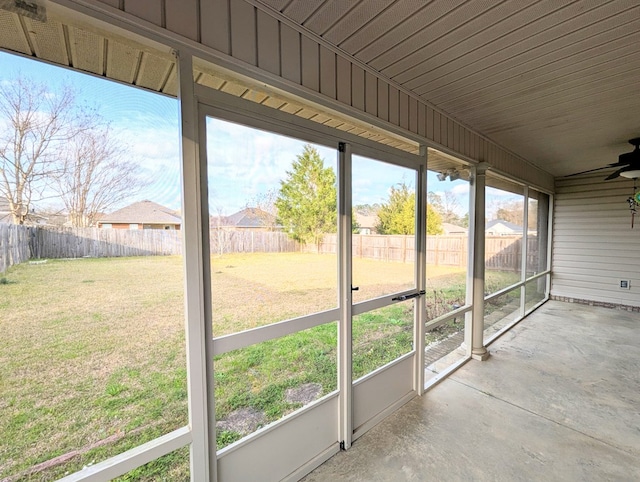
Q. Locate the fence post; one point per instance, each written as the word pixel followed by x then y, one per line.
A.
pixel 386 247
pixel 404 249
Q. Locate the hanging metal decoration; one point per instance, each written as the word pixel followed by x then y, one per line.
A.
pixel 634 202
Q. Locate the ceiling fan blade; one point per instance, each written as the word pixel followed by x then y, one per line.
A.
pixel 590 170
pixel 620 163
pixel 616 174
pixel 626 162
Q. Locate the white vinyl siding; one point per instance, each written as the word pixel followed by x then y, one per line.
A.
pixel 594 245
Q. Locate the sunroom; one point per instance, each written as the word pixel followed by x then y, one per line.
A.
pixel 299 340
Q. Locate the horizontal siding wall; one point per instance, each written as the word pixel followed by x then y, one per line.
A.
pixel 594 245
pixel 253 34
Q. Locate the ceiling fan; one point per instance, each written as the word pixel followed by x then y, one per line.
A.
pixel 628 164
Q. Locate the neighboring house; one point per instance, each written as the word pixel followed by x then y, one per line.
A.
pixel 452 229
pixel 254 219
pixel 32 217
pixel 5 214
pixel 58 220
pixel 142 215
pixel 366 223
pixel 499 227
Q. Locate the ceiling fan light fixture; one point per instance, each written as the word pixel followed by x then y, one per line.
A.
pixel 634 174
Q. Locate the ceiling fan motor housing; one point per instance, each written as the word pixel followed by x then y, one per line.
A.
pixel 633 156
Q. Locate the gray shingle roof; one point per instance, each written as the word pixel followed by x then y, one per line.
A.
pixel 453 228
pixel 250 218
pixel 511 226
pixel 143 212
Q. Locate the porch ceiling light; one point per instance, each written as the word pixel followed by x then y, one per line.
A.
pixel 634 174
pixel 453 174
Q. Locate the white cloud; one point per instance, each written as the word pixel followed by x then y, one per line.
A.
pixel 460 189
pixel 156 150
pixel 244 162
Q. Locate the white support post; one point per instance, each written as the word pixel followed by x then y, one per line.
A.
pixel 199 337
pixel 345 374
pixel 420 308
pixel 523 251
pixel 468 317
pixel 549 247
pixel 478 350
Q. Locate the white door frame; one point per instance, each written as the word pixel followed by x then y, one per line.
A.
pixel 326 425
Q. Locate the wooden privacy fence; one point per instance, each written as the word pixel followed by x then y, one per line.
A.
pixel 14 245
pixel 223 241
pixel 99 243
pixel 58 243
pixel 20 243
pixel 501 252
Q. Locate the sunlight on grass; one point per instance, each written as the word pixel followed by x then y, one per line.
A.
pixel 251 290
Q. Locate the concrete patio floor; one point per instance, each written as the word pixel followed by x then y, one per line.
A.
pixel 559 399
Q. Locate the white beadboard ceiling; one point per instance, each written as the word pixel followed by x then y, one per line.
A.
pixel 555 81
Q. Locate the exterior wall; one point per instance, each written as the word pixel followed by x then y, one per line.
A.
pixel 140 226
pixel 169 227
pixel 258 40
pixel 594 246
pixel 116 225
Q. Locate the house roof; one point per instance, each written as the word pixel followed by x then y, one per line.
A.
pixel 507 224
pixel 250 218
pixel 143 212
pixel 366 221
pixel 453 228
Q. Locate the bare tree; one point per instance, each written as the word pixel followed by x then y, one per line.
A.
pixel 95 174
pixel 451 205
pixel 219 225
pixel 447 206
pixel 34 124
pixel 263 207
pixel 511 211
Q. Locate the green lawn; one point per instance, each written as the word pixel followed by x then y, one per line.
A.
pixel 93 354
pixel 90 349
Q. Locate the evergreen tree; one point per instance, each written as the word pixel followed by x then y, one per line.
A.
pixel 397 215
pixel 434 221
pixel 307 200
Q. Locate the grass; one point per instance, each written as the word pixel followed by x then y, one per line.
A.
pixel 91 349
pixel 94 349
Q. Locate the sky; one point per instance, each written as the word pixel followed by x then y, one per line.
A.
pixel 146 123
pixel 244 163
